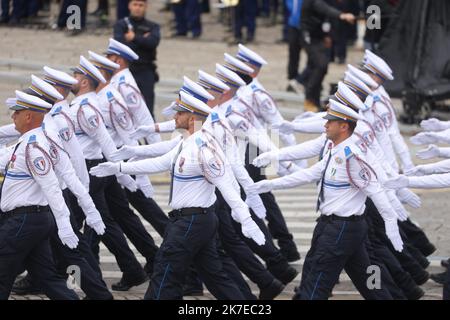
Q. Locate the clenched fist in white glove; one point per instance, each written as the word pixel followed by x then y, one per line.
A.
pixel 262 186
pixel 105 169
pixel 424 138
pixel 251 230
pixel 434 124
pixel 285 127
pixel 255 203
pixel 431 152
pixel 264 159
pixel 393 235
pixel 397 183
pixel 143 131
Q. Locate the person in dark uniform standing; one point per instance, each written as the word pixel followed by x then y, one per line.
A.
pixel 245 16
pixel 143 37
pixel 314 40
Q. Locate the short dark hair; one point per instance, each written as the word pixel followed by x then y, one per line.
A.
pixel 351 126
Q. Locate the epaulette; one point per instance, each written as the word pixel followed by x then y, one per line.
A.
pixel 84 101
pixel 214 117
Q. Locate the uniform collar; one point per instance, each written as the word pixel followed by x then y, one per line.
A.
pixel 119 74
pixel 28 134
pixel 87 95
pixel 337 148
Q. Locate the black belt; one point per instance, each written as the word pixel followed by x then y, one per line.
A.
pixel 334 217
pixel 93 163
pixel 188 212
pixel 29 209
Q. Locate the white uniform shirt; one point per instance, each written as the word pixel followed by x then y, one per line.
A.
pixel 90 127
pixel 196 172
pixel 341 197
pixel 30 179
pixel 124 82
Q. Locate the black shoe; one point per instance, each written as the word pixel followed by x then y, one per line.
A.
pixel 445 263
pixel 415 294
pixel 420 280
pixel 427 249
pixel 125 284
pixel 439 277
pixel 271 291
pixel 24 286
pixel 288 275
pixel 4 20
pixel 190 290
pixel 291 256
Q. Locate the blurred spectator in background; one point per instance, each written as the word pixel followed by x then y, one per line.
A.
pixel 143 37
pixel 64 15
pixel 20 9
pixel 341 32
pixel 372 36
pixel 245 16
pixel 294 8
pixel 316 41
pixel 187 17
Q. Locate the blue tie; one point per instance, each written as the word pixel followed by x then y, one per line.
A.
pixel 172 172
pixel 321 196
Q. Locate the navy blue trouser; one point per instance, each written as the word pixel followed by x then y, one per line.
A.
pixel 24 244
pixel 64 15
pixel 190 240
pixel 417 237
pixel 188 17
pixel 407 261
pixel 276 222
pixel 149 210
pixel 238 250
pixel 91 281
pixel 446 290
pixel 128 221
pixel 122 9
pixel 113 238
pixel 245 16
pixel 146 79
pixel 275 261
pixel 337 245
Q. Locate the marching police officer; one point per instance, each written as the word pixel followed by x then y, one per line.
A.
pixel 196 168
pixel 27 221
pixel 345 180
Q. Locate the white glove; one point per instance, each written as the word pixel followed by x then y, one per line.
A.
pixel 124 153
pixel 251 230
pixel 96 224
pixel 142 131
pixel 423 138
pixel 143 184
pixel 304 115
pixel 66 234
pixel 431 152
pixel 262 186
pixel 402 214
pixel 264 159
pixel 285 127
pixel 127 182
pixel 105 169
pixel 407 196
pixel 235 216
pixel 397 183
pixel 255 203
pixel 393 234
pixel 433 124
pixel 416 171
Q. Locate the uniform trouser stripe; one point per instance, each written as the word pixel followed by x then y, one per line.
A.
pixel 315 286
pixel 162 281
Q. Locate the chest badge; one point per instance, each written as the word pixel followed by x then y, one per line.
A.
pixel 181 164
pixel 338 160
